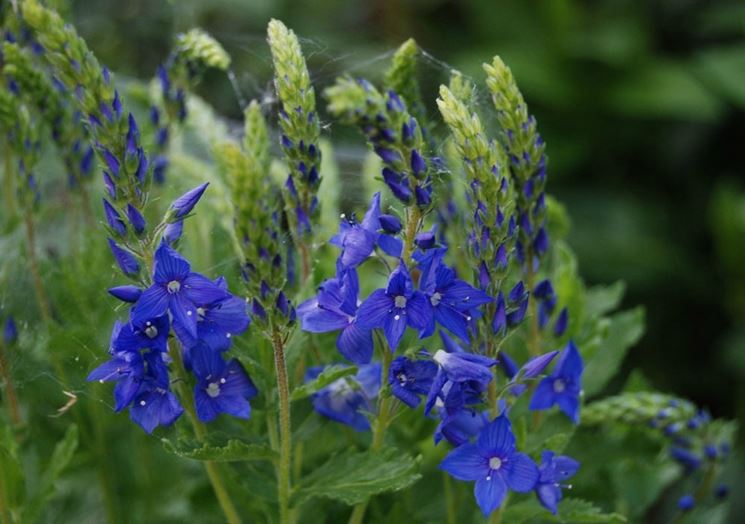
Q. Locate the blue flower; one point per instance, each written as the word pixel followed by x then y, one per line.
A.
pixel 176 290
pixel 124 259
pixel 458 426
pixel 183 205
pixel 411 378
pixel 221 387
pixel 126 293
pixel 155 405
pixel 461 378
pixel 494 464
pixel 531 369
pixel 686 503
pixel 563 386
pixel 348 399
pixel 452 299
pixel 358 240
pixel 396 307
pixel 553 471
pixel 335 308
pixel 219 321
pixel 10 331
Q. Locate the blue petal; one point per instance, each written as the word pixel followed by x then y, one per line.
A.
pixel 184 316
pixel 452 320
pixel 536 365
pixel 570 363
pixel 317 320
pixel 489 493
pixel 152 304
pixel 543 397
pixel 375 309
pixel 497 437
pixel 466 462
pixel 186 202
pixel 169 265
pixel 520 473
pixel 124 259
pixel 569 404
pixel 418 311
pixel 205 405
pixel 371 221
pixel 201 290
pixel 390 245
pixel 549 496
pixel 356 343
pixel 394 327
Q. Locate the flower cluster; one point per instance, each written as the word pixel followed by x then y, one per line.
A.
pixel 300 128
pixel 392 132
pixel 204 316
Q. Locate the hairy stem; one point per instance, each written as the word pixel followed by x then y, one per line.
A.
pixel 413 216
pixel 200 432
pixel 285 435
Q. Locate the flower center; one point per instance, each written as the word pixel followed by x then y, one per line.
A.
pixel 559 385
pixel 174 286
pixel 201 312
pixel 402 379
pixel 213 389
pixel 151 331
pixel 495 463
pixel 435 299
pixel 400 301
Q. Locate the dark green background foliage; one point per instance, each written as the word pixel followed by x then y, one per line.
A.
pixel 641 105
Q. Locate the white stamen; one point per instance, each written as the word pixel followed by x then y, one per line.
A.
pixel 435 299
pixel 213 389
pixel 222 381
pixel 440 356
pixel 228 335
pixel 142 402
pixel 188 313
pixel 151 331
pixel 397 317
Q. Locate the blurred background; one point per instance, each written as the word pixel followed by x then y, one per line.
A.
pixel 641 105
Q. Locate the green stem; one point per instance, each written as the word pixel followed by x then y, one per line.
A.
pixel 534 336
pixel 200 432
pixel 10 393
pixel 41 294
pixel 10 202
pixel 452 512
pixel 285 435
pixel 385 403
pixel 413 216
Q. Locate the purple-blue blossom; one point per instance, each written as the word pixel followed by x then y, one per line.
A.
pixel 563 386
pixel 494 464
pixel 347 399
pixel 554 470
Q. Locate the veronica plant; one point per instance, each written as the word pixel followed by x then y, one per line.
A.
pixel 437 345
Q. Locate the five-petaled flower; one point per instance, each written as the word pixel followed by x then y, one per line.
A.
pixel 553 471
pixel 563 386
pixel 177 290
pixel 396 307
pixel 494 464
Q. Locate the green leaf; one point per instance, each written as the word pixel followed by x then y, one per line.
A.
pixel 219 449
pixel 12 485
pixel 600 300
pixel 327 376
pixel 625 329
pixel 581 511
pixel 61 457
pixel 352 477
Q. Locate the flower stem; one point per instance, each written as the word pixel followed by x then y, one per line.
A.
pixel 285 435
pixel 41 294
pixel 10 393
pixel 534 336
pixel 452 513
pixel 381 423
pixel 200 432
pixel 413 217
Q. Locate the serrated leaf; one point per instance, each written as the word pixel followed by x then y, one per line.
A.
pixel 230 450
pixel 581 511
pixel 625 329
pixel 352 477
pixel 327 376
